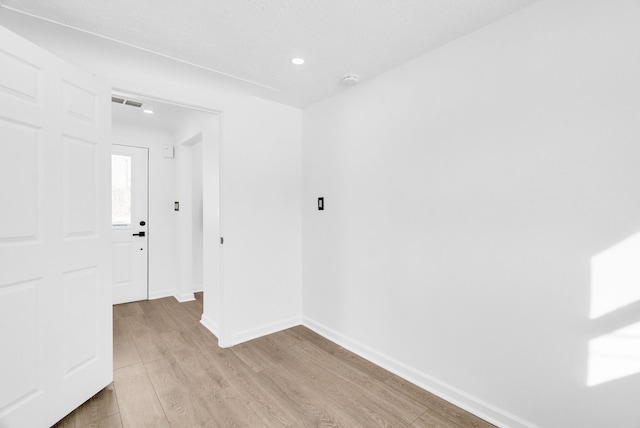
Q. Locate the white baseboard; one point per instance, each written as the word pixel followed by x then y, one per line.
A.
pixel 210 325
pixel 443 390
pixel 254 333
pixel 161 294
pixel 185 297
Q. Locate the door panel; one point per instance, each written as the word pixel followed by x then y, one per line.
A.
pixel 55 262
pixel 21 145
pixel 23 378
pixel 79 320
pixel 21 79
pixel 130 207
pixel 79 159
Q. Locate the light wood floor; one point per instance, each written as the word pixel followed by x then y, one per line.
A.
pixel 170 372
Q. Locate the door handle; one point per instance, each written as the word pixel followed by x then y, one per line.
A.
pixel 139 234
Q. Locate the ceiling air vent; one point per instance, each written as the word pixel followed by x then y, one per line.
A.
pixel 133 103
pixel 120 100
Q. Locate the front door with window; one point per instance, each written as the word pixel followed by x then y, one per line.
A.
pixel 129 219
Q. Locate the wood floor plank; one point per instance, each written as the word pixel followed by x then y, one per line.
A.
pixel 194 308
pixel 311 401
pixel 353 360
pixel 175 371
pixel 335 388
pixel 204 340
pixel 358 379
pixel 117 312
pixel 201 375
pixel 158 317
pixel 304 334
pixel 438 409
pixel 245 351
pixel 120 327
pixel 434 420
pixel 100 406
pixel 205 376
pixel 449 418
pixel 112 421
pixel 264 352
pixel 148 343
pixel 127 309
pixel 180 315
pixel 379 414
pixel 301 334
pixel 406 408
pixel 407 388
pixel 372 388
pixel 266 403
pixel 354 404
pixel 125 352
pixel 293 402
pixel 228 410
pixel 249 387
pixel 137 399
pixel 223 361
pixel 333 391
pixel 202 336
pixel 180 404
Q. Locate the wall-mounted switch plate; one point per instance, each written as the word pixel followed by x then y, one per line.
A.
pixel 321 204
pixel 168 152
pixel 176 206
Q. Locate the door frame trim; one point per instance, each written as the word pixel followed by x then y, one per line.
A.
pixel 215 327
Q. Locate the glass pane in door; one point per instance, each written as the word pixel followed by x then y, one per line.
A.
pixel 121 190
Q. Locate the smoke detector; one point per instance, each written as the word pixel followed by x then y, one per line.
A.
pixel 350 79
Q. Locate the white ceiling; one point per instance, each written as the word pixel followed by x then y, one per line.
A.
pixel 254 40
pixel 166 117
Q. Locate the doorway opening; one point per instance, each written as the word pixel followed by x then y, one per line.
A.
pixel 184 194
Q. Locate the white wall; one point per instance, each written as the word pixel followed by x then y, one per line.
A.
pixel 164 260
pixel 199 140
pixel 261 219
pixel 466 193
pixel 260 174
pixel 197 214
pixel 189 137
pixel 211 210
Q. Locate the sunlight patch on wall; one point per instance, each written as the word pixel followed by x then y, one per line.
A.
pixel 615 277
pixel 615 355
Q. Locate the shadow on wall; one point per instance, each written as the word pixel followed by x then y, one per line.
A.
pixel 615 306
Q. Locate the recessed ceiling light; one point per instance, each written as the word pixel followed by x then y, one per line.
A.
pixel 297 61
pixel 148 111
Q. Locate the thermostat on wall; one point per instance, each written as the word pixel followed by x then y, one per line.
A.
pixel 168 152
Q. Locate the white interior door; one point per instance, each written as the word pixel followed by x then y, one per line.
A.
pixel 55 258
pixel 129 205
